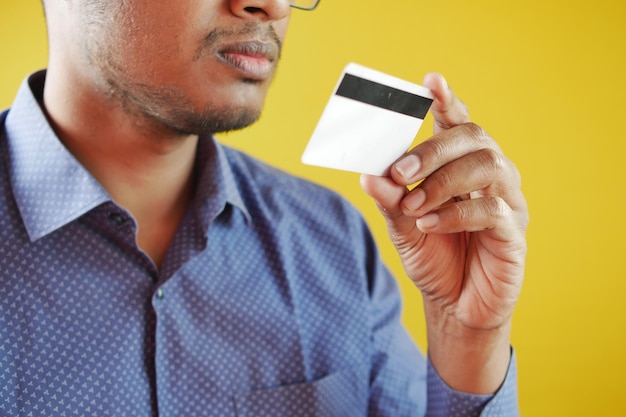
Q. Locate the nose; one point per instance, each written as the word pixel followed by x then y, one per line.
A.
pixel 265 10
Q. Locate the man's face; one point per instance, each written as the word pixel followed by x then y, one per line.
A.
pixel 192 66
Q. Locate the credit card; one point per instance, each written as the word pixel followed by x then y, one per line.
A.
pixel 370 120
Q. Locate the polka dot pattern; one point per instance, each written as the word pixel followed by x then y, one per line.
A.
pixel 443 401
pixel 271 301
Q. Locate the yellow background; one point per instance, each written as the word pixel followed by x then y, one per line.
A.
pixel 546 78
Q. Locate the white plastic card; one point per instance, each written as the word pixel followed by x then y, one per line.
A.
pixel 370 120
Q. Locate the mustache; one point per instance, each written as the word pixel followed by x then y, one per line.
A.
pixel 220 37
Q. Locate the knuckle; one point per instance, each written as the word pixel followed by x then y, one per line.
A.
pixel 524 221
pixel 463 212
pixel 443 179
pixel 517 176
pixel 497 209
pixel 492 161
pixel 463 108
pixel 475 131
pixel 435 150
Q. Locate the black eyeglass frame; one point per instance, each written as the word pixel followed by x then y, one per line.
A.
pixel 305 8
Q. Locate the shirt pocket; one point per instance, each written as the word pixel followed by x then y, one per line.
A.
pixel 340 394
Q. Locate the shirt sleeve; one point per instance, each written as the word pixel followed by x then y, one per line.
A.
pixel 403 383
pixel 443 401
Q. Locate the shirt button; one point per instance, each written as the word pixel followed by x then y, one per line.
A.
pixel 117 218
pixel 160 294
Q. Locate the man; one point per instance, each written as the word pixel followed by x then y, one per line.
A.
pixel 147 270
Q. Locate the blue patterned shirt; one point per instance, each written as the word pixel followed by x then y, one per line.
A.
pixel 271 301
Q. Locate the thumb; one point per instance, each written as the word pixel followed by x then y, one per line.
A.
pixel 388 196
pixel 448 111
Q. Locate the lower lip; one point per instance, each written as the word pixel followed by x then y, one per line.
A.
pixel 250 66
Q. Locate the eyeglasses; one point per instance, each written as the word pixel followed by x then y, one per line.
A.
pixel 304 4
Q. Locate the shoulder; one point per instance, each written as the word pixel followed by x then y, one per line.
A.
pixel 275 187
pixel 267 175
pixel 301 210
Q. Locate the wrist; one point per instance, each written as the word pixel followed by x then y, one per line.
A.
pixel 472 360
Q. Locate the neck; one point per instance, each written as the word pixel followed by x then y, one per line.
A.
pixel 146 168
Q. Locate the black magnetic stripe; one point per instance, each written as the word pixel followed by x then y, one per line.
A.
pixel 383 96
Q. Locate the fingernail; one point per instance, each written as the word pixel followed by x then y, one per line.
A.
pixel 408 166
pixel 415 199
pixel 428 221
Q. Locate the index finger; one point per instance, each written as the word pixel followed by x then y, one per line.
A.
pixel 447 109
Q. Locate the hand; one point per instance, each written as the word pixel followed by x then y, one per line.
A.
pixel 460 233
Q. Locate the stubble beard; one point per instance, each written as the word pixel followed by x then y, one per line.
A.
pixel 171 110
pixel 162 108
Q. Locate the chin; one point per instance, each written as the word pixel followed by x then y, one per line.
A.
pixel 213 121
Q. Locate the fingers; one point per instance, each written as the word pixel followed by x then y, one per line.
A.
pixel 386 193
pixel 484 172
pixel 466 184
pixel 388 196
pixel 487 213
pixel 440 150
pixel 465 181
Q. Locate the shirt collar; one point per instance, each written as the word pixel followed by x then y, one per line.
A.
pixel 216 183
pixel 52 188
